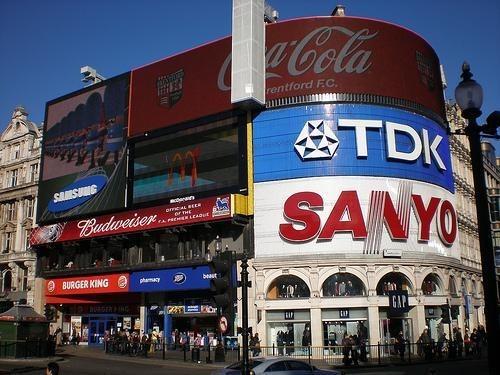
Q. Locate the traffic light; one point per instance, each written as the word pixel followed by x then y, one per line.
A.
pixel 445 314
pixel 49 312
pixel 454 312
pixel 221 286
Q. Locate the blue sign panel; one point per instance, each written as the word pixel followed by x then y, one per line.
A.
pixel 77 193
pixel 173 279
pixel 350 140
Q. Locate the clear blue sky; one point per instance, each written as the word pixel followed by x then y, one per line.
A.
pixel 43 44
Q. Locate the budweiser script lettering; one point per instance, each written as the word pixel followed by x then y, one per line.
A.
pixel 92 227
pixel 312 53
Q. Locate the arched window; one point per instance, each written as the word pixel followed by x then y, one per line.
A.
pixel 288 286
pixel 343 284
pixel 432 285
pixel 393 281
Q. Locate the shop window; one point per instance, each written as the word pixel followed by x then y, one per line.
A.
pixel 343 284
pixel 288 286
pixel 431 285
pixel 115 252
pixel 334 331
pixel 168 246
pixel 289 331
pixel 393 281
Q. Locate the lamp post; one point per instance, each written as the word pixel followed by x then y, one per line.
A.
pixel 469 97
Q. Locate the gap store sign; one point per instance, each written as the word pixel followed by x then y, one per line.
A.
pixel 352 179
pixel 172 279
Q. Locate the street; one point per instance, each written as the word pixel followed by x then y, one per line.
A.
pixel 82 360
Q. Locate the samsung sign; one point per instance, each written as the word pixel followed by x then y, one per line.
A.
pixel 173 279
pixel 77 193
pixel 350 140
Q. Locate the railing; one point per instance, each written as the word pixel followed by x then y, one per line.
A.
pixel 380 354
pixel 28 348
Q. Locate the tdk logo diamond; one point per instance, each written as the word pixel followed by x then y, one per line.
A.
pixel 316 141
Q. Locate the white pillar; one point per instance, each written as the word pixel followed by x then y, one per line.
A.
pixel 316 327
pixel 142 316
pixel 374 324
pixel 417 313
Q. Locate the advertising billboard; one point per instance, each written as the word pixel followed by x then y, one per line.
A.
pixel 361 216
pixel 186 211
pixel 172 279
pixel 350 140
pixel 84 152
pixel 352 179
pixel 111 283
pixel 202 160
pixel 355 59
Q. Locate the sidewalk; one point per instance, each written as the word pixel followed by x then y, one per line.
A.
pixel 84 351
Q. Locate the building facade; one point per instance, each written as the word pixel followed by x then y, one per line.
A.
pixel 492 171
pixel 341 190
pixel 20 145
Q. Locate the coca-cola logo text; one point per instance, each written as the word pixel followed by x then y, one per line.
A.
pixel 314 53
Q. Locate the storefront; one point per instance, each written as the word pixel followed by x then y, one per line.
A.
pixel 347 321
pixel 176 299
pixel 94 305
pixel 289 329
pixel 89 323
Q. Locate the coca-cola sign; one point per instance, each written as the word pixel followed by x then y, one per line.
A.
pixel 303 57
pixel 170 215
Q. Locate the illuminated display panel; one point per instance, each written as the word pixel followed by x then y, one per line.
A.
pixel 190 162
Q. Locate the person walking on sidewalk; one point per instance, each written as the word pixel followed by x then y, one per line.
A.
pixel 52 369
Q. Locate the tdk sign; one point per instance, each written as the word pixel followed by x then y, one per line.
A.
pixel 77 193
pixel 350 140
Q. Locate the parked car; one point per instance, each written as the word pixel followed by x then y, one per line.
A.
pixel 276 366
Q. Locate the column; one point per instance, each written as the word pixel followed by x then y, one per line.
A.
pixel 316 327
pixel 143 316
pixel 374 324
pixel 417 314
pixel 18 244
pixel 167 326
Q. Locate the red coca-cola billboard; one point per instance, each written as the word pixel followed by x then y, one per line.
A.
pixel 185 212
pixel 95 284
pixel 307 56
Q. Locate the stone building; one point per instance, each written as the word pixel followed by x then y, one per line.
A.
pixel 20 145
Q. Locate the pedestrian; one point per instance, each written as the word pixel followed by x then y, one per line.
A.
pixel 474 343
pixel 459 342
pixel 425 343
pixel 52 369
pixel 467 342
pixel 346 350
pixel 400 345
pixel 256 345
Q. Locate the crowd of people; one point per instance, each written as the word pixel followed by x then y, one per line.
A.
pixel 468 344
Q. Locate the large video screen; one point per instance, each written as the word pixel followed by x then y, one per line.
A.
pixel 84 152
pixel 191 162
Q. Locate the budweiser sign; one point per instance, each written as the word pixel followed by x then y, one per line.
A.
pixel 183 213
pixel 303 57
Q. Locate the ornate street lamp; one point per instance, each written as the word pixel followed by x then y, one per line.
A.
pixel 469 97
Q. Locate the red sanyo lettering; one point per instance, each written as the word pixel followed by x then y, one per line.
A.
pixel 346 216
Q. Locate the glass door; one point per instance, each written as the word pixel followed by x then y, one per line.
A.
pixel 96 332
